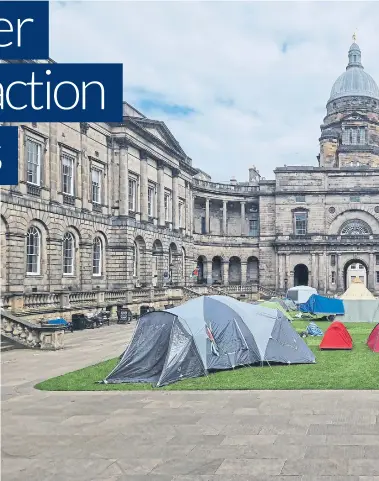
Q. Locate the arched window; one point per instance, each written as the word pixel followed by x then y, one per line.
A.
pixel 355 227
pixel 33 251
pixel 135 259
pixel 68 254
pixel 97 257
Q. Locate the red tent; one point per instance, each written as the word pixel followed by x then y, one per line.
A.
pixel 336 337
pixel 373 339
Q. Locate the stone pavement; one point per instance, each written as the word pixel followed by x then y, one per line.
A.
pixel 177 436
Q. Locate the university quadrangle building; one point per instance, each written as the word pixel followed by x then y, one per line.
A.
pixel 107 213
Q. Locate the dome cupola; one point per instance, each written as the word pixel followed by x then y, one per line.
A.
pixel 355 81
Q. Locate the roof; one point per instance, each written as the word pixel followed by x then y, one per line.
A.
pixel 355 81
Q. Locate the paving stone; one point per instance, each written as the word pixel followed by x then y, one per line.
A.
pixel 249 439
pixel 344 429
pixel 371 452
pixel 252 467
pixel 223 477
pixel 353 439
pixel 187 465
pixel 197 439
pixel 335 452
pixel 364 467
pixel 325 468
pixel 301 440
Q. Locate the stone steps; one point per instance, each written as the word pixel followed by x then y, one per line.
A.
pixel 6 344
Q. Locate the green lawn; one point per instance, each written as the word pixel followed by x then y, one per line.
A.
pixel 356 369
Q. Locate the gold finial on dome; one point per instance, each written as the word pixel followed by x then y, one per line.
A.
pixel 354 37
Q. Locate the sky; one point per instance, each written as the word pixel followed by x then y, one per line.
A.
pixel 237 83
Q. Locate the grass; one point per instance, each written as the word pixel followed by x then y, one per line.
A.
pixel 356 369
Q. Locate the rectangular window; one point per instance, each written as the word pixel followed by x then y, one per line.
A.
pixel 300 223
pixel 377 259
pixel 96 186
pixel 333 260
pixel 300 198
pixel 355 198
pixel 167 209
pixel 203 230
pixel 253 227
pixel 67 174
pixel 132 195
pixel 377 277
pixel 150 201
pixel 33 162
pixel 333 277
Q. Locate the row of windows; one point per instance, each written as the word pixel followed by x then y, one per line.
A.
pixel 34 249
pixel 253 227
pixel 33 168
pixel 33 160
pixel 354 227
pixel 354 136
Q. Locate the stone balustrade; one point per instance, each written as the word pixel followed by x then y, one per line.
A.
pixel 31 335
pixel 221 187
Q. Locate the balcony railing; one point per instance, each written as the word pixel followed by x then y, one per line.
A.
pixel 217 186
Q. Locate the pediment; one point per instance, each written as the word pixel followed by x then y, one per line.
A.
pixel 161 132
pixel 354 117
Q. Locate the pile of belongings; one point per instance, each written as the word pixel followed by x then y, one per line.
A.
pixel 323 305
pixel 314 330
pixel 205 334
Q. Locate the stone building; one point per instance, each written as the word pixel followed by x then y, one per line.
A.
pixel 106 211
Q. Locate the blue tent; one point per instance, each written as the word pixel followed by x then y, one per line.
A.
pixel 323 305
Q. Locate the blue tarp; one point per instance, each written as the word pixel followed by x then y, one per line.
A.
pixel 322 305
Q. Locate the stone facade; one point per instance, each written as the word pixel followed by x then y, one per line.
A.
pixel 103 210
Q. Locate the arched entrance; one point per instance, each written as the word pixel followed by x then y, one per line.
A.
pixel 235 270
pixel 217 270
pixel 355 268
pixel 252 272
pixel 300 275
pixel 201 266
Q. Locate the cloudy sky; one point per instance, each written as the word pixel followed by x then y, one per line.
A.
pixel 237 83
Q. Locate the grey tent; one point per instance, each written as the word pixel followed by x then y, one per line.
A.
pixel 205 334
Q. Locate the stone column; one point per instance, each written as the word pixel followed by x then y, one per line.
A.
pixel 175 199
pixel 207 216
pixel 192 212
pixel 123 195
pixel 371 273
pixel 143 186
pixel 225 272
pixel 339 273
pixel 243 218
pixel 54 163
pixel 314 270
pixel 160 191
pixel 86 182
pixel 187 210
pixel 224 217
pixel 243 273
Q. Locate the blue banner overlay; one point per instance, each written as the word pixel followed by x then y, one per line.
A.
pixel 24 30
pixel 8 155
pixel 61 92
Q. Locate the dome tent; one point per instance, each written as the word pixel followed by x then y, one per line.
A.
pixel 357 290
pixel 205 334
pixel 337 337
pixel 373 339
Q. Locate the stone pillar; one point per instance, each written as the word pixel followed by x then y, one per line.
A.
pixel 160 192
pixel 339 273
pixel 187 210
pixel 123 195
pixel 143 187
pixel 54 163
pixel 243 218
pixel 192 212
pixel 209 272
pixel 287 274
pixel 314 271
pixel 224 217
pixel 225 272
pixel 86 182
pixel 207 216
pixel 243 273
pixel 371 273
pixel 175 199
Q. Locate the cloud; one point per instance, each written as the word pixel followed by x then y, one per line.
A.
pixel 238 83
